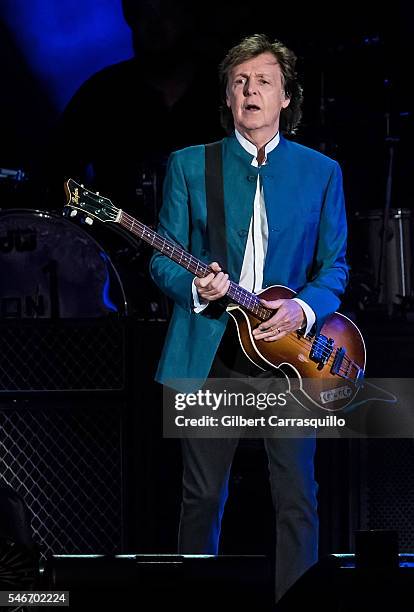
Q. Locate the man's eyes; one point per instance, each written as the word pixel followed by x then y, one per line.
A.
pixel 242 81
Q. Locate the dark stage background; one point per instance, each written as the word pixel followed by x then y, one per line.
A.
pixel 355 60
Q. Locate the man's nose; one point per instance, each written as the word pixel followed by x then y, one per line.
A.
pixel 249 88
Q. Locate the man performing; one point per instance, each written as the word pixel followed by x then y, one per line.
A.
pixel 284 224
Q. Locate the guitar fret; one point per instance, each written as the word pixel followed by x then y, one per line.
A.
pixel 249 300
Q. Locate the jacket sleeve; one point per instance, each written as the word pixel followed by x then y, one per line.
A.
pixel 174 223
pixel 330 271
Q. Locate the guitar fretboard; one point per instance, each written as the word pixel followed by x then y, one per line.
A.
pixel 171 249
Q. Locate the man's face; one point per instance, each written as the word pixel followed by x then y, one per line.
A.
pixel 256 96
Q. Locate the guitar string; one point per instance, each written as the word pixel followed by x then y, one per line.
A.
pixel 252 300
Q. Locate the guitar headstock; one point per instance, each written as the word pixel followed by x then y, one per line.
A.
pixel 93 205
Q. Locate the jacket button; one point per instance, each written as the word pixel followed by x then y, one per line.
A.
pixel 252 178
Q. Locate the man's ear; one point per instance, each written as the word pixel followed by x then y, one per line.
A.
pixel 285 100
pixel 227 100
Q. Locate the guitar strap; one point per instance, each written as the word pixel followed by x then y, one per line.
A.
pixel 216 223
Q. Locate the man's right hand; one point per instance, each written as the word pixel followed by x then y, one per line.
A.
pixel 214 286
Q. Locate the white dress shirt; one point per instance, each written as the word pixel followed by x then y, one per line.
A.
pixel 251 277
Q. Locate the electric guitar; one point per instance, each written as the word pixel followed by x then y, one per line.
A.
pixel 324 371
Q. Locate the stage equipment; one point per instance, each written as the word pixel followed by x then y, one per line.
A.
pixel 19 556
pixel 185 582
pixel 335 584
pixel 386 261
pixel 65 458
pixel 63 381
pixel 383 487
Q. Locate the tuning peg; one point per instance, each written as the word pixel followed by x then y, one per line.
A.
pixel 83 186
pixel 97 193
pixel 85 220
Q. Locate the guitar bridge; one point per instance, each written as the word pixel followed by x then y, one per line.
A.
pixel 338 359
pixel 321 350
pixel 348 369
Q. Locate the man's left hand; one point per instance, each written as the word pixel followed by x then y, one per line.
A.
pixel 289 317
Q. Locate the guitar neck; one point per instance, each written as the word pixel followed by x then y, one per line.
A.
pixel 171 249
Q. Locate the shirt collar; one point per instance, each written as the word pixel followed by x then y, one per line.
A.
pixel 252 149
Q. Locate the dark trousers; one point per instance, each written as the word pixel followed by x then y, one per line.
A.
pixel 206 465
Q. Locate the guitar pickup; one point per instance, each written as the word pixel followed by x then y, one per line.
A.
pixel 321 350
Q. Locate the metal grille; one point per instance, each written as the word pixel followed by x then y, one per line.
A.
pixel 47 355
pixel 66 462
pixel 387 488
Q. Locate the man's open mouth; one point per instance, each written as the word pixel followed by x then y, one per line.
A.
pixel 252 107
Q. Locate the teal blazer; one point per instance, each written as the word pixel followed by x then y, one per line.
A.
pixel 306 248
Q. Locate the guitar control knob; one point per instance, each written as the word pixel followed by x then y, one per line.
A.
pixel 89 221
pixel 73 213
